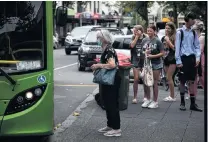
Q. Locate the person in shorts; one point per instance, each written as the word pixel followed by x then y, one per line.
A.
pixel 154 52
pixel 187 54
pixel 137 56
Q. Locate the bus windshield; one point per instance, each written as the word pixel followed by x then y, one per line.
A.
pixel 22 36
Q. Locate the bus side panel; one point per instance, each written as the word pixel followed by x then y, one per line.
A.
pixel 37 120
pixel 1 117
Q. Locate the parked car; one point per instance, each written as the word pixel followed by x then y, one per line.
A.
pixel 55 43
pixel 125 30
pixel 90 50
pixel 74 38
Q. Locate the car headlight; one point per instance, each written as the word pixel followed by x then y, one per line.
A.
pixel 69 40
pixel 84 49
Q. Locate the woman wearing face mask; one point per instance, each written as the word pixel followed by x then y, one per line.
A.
pixel 154 53
pixel 110 93
pixel 169 61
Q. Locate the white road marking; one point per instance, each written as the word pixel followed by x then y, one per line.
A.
pixel 65 66
pixel 70 119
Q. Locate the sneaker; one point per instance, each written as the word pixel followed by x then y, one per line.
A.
pixel 169 99
pixel 146 103
pixel 145 99
pixel 134 101
pixel 153 105
pixel 105 129
pixel 113 133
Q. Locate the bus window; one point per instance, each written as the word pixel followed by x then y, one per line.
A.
pixel 22 36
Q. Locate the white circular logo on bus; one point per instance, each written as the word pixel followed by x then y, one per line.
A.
pixel 42 79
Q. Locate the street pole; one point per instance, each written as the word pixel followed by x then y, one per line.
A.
pixel 80 20
pixel 136 17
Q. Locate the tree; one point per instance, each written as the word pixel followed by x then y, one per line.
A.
pixel 141 7
pixel 182 7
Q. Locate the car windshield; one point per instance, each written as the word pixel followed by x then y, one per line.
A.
pixel 79 31
pixel 91 36
pixel 21 36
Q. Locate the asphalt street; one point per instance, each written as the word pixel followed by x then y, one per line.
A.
pixel 71 86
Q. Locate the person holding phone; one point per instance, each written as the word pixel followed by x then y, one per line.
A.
pixel 137 56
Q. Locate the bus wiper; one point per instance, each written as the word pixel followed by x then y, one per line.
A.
pixel 12 81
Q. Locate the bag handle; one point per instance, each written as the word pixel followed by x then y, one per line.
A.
pixel 147 61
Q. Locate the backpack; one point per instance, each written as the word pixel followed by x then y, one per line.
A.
pixel 183 35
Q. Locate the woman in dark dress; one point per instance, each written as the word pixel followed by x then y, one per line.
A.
pixel 169 61
pixel 110 93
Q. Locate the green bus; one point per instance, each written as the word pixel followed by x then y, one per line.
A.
pixel 26 68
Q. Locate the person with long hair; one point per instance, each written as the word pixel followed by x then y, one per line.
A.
pixel 137 57
pixel 154 53
pixel 169 61
pixel 110 93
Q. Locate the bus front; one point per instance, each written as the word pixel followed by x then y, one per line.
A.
pixel 26 68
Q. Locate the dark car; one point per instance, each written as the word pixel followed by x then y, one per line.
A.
pixel 74 39
pixel 90 50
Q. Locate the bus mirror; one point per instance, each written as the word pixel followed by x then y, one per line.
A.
pixel 61 16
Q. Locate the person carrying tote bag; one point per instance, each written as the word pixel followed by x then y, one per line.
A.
pixel 154 53
pixel 106 74
pixel 147 73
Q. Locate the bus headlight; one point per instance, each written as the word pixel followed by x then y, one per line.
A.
pixel 29 95
pixel 25 99
pixel 38 92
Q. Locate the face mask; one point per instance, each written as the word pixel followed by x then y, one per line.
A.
pixel 99 42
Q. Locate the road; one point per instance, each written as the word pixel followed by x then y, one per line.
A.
pixel 71 86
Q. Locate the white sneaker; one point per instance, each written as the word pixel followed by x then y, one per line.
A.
pixel 146 103
pixel 169 99
pixel 145 99
pixel 105 129
pixel 153 105
pixel 134 101
pixel 113 133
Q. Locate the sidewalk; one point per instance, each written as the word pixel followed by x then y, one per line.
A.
pixel 164 124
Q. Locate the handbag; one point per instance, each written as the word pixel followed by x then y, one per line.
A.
pixel 147 73
pixel 104 76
